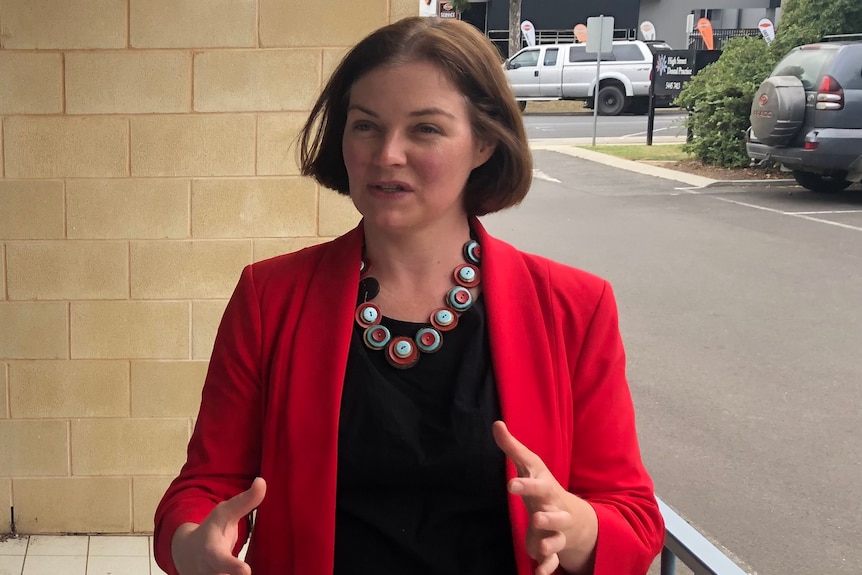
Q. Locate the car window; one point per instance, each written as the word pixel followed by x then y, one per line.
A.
pixel 551 56
pixel 527 58
pixel 579 54
pixel 658 46
pixel 627 53
pixel 805 64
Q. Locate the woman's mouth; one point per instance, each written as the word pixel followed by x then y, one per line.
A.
pixel 391 187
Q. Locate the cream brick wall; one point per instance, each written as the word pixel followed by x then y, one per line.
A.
pixel 147 154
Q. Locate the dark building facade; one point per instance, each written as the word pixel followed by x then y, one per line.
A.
pixel 670 17
pixel 492 17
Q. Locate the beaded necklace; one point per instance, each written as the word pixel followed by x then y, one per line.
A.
pixel 403 352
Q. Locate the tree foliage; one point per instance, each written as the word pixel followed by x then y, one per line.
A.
pixel 719 97
pixel 460 5
pixel 806 21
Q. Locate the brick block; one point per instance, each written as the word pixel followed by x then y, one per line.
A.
pixel 167 388
pixel 4 393
pixel 128 82
pixel 127 208
pixel 399 9
pixel 5 502
pixel 337 213
pixel 256 80
pixel 34 448
pixel 128 446
pixel 265 249
pixel 49 24
pixel 31 210
pixel 66 389
pixel 31 83
pixel 315 23
pixel 193 145
pixel 206 317
pixel 193 23
pixel 61 147
pixel 187 269
pixel 146 494
pixel 67 270
pixel 34 330
pixel 276 143
pixel 130 329
pixel 331 59
pixel 273 207
pixel 73 505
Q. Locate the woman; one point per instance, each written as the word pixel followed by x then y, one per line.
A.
pixel 364 382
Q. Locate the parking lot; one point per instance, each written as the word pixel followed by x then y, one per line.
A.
pixel 740 310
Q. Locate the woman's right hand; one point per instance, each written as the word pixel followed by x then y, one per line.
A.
pixel 207 549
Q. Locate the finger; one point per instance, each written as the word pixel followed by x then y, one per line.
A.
pixel 540 490
pixel 229 565
pixel 243 503
pixel 549 565
pixel 528 463
pixel 560 521
pixel 542 544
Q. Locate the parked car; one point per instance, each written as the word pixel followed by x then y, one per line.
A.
pixel 567 72
pixel 807 115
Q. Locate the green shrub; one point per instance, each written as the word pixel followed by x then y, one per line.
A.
pixel 719 97
pixel 719 101
pixel 806 21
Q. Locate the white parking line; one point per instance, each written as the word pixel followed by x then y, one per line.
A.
pixel 826 212
pixel 799 215
pixel 645 132
pixel 540 175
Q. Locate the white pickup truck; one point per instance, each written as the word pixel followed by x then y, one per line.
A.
pixel 568 72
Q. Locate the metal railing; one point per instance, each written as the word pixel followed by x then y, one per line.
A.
pixel 500 38
pixel 720 36
pixel 684 542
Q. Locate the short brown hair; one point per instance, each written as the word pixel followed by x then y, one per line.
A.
pixel 470 62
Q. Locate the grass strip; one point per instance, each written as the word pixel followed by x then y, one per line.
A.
pixel 658 152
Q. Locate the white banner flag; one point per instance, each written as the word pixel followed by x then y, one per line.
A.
pixel 767 29
pixel 428 8
pixel 529 32
pixel 647 30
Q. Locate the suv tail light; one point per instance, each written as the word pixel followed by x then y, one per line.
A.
pixel 830 94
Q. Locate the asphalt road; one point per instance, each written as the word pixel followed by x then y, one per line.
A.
pixel 741 309
pixel 580 125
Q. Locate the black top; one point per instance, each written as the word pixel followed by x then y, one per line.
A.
pixel 421 483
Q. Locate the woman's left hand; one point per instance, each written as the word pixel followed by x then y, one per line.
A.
pixel 563 527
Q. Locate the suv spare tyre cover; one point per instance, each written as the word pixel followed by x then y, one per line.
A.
pixel 777 110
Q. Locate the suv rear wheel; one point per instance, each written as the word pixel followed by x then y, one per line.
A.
pixel 818 183
pixel 612 100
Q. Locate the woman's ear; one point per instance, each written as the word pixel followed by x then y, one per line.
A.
pixel 483 152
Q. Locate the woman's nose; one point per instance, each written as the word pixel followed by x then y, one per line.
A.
pixel 392 151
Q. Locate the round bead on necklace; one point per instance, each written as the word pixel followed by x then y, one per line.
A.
pixel 403 352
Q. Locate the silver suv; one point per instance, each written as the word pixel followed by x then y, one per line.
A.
pixel 807 116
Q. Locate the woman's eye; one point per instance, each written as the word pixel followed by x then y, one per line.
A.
pixel 425 129
pixel 362 126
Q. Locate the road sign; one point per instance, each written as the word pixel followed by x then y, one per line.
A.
pixel 600 34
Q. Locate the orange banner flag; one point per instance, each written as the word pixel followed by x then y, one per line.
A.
pixel 704 26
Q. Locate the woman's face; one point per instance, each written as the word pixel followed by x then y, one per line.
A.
pixel 409 148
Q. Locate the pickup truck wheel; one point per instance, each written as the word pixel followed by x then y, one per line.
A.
pixel 522 105
pixel 611 101
pixel 818 183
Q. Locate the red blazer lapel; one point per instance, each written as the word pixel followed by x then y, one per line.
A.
pixel 520 327
pixel 319 354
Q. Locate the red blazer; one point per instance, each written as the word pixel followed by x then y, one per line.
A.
pixel 270 405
